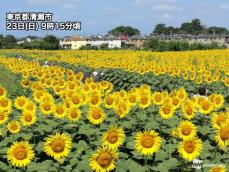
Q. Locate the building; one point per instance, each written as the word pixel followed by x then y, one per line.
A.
pixel 114 42
pixel 97 41
pixel 136 41
pixel 73 42
pixel 28 39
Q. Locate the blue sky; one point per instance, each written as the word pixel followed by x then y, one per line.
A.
pixel 99 16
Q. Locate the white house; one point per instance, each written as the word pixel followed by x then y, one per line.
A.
pixel 73 42
pixel 114 42
pixel 96 41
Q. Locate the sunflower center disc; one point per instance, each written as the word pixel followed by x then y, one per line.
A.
pixel 109 101
pixel 96 114
pixel 28 118
pixel 158 98
pixel 224 133
pixel 147 141
pixel 166 110
pixel 189 147
pixel 20 153
pixel 144 100
pixel 58 145
pixel 104 159
pixel 60 110
pixel 186 130
pixel 189 111
pixel 47 107
pixel 112 137
pixel 14 126
pixel 4 103
pixel 74 114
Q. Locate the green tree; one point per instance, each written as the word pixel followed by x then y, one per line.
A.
pixel 51 42
pixel 8 42
pixel 125 30
pixel 217 30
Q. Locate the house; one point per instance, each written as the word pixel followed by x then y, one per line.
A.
pixel 28 39
pixel 136 41
pixel 114 42
pixel 73 42
pixel 97 41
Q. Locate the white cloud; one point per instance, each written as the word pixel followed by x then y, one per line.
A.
pixel 40 2
pixel 224 6
pixel 71 4
pixel 67 4
pixel 167 7
pixel 143 2
pixel 167 16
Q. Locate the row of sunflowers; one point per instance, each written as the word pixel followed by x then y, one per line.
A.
pixel 200 66
pixel 66 124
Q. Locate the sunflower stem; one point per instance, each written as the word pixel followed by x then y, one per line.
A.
pixel 58 166
pixel 145 161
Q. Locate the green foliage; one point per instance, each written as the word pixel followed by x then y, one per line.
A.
pixel 125 30
pixel 9 41
pixel 194 27
pixel 157 45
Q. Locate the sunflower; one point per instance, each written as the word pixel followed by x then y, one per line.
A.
pixel 157 98
pixel 47 107
pixel 96 115
pixel 73 114
pixel 222 135
pixel 144 100
pixel 218 119
pixel 60 111
pixel 28 118
pixel 58 146
pixel 190 149
pixel 75 99
pixel 109 101
pixel 103 160
pixel 25 83
pixel 186 130
pixel 217 100
pixel 218 169
pixel 30 106
pixel 37 95
pixel 206 107
pixel 147 142
pixel 113 138
pixel 132 98
pixel 5 104
pixel 176 102
pixel 94 99
pixel 3 117
pixel 20 102
pixel 13 127
pixel 20 154
pixel 122 108
pixel 181 93
pixel 3 92
pixel 166 111
pixel 188 109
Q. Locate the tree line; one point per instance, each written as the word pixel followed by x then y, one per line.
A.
pixel 195 27
pixel 49 42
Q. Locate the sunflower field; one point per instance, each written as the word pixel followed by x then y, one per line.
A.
pixel 143 114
